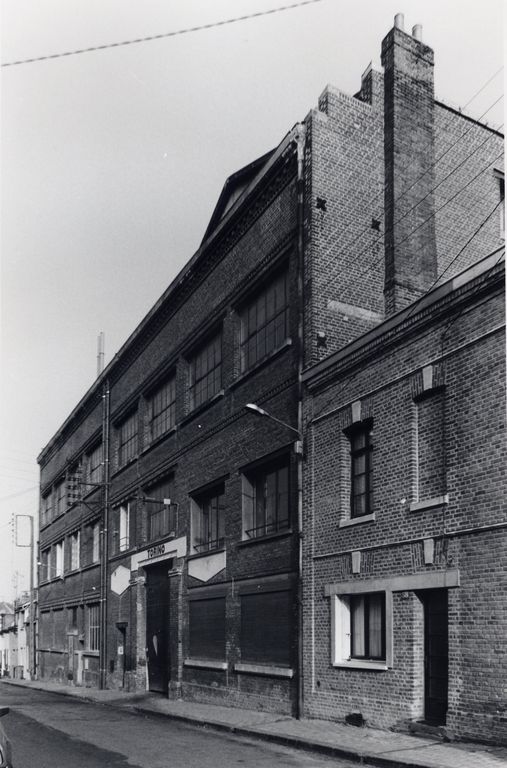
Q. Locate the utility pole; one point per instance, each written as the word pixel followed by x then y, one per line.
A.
pixel 31 639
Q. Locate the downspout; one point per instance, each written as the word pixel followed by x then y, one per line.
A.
pixel 104 540
pixel 300 139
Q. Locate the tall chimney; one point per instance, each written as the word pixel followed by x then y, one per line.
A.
pixel 410 259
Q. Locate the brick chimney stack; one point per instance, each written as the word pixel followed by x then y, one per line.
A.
pixel 410 259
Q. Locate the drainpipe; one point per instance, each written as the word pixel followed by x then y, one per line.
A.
pixel 104 540
pixel 300 139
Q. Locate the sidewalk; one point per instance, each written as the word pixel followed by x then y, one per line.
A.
pixel 364 745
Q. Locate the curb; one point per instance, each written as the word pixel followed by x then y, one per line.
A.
pixel 289 741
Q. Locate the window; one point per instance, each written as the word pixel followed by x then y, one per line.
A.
pixel 127 440
pixel 46 509
pixel 266 627
pixel 501 191
pixel 161 516
pixel 60 498
pixel 430 414
pixel 367 626
pixel 206 372
pixel 95 465
pixel 163 408
pixel 361 469
pixel 207 628
pixel 74 551
pixel 95 537
pixel 121 531
pixel 92 627
pixel 266 507
pixel 360 635
pixel 265 322
pixel 208 520
pixel 59 559
pixel 45 564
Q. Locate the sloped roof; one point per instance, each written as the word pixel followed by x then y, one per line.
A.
pixel 234 186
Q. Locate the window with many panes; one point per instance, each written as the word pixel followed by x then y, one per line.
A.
pixel 128 439
pixel 266 499
pixel 60 498
pixel 206 628
pixel 46 509
pixel 208 520
pixel 74 551
pixel 92 627
pixel 205 372
pixel 361 469
pixel 265 322
pixel 163 408
pixel 95 466
pixel 161 514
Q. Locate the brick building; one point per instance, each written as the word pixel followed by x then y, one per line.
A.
pixel 171 515
pixel 405 543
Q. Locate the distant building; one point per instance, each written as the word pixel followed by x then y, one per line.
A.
pixel 171 515
pixel 7 637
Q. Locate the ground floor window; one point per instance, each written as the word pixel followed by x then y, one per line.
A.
pixel 207 628
pixel 359 629
pixel 92 634
pixel 266 628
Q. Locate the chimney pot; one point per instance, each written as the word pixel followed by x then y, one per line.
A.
pixel 417 32
pixel 399 21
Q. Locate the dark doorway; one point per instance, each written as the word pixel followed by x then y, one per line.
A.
pixel 436 656
pixel 157 626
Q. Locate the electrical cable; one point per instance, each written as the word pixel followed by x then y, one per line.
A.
pixel 162 36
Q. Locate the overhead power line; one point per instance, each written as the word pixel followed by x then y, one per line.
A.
pixel 164 35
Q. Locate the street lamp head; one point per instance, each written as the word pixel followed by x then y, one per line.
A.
pixel 255 409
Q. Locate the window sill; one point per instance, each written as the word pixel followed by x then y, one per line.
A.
pixel 197 555
pixel 260 363
pixel 264 669
pixel 91 653
pixel 378 666
pixel 436 501
pixel 200 408
pixel 205 664
pixel 159 439
pixel 357 520
pixel 269 537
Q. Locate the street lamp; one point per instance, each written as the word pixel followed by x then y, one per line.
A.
pixel 253 408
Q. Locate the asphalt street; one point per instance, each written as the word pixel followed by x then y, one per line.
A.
pixel 53 731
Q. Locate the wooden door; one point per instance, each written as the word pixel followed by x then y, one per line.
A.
pixel 157 627
pixel 436 656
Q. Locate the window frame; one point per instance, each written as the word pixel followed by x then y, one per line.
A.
pixel 59 558
pixel 60 492
pixel 75 550
pixel 212 375
pixel 128 439
pixel 357 430
pixel 167 513
pixel 95 470
pixel 163 419
pixel 93 627
pixel 95 547
pixel 252 479
pixel 252 330
pixel 209 543
pixel 341 629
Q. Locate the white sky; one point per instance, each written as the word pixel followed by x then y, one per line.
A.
pixel 112 163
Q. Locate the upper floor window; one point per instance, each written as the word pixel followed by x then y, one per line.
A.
pixel 265 322
pixel 121 530
pixel 361 469
pixel 95 465
pixel 266 507
pixel 45 564
pixel 59 559
pixel 208 520
pixel 501 191
pixel 161 510
pixel 163 408
pixel 205 372
pixel 128 439
pixel 60 498
pixel 74 551
pixel 46 511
